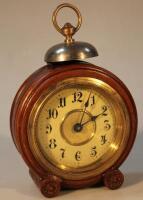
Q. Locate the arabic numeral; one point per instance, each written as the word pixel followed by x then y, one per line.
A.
pixel 62 153
pixel 92 100
pixel 103 139
pixel 52 144
pixel 107 126
pixel 77 97
pixel 62 102
pixel 93 151
pixel 78 155
pixel 48 128
pixel 52 113
pixel 104 108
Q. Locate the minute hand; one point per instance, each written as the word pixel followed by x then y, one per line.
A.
pixel 93 118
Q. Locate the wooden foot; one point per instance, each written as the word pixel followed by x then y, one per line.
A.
pixel 49 186
pixel 113 179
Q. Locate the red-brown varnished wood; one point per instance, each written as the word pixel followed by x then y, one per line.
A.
pixel 49 186
pixel 113 179
pixel 30 92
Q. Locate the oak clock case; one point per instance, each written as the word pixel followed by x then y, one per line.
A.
pixel 73 123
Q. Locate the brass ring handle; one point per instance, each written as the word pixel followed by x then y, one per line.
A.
pixel 61 30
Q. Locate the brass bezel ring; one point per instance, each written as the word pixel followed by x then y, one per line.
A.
pixel 55 13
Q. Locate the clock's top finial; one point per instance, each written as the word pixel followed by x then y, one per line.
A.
pixel 68 30
pixel 70 49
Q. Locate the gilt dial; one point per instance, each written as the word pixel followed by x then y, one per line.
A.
pixel 77 126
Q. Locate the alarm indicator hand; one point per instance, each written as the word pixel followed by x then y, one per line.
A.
pixel 85 107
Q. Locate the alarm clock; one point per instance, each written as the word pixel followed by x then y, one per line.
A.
pixel 73 123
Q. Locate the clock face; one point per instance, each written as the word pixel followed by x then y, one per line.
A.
pixel 81 126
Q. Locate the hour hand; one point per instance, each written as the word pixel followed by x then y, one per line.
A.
pixel 94 117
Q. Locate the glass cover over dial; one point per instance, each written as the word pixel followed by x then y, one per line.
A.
pixel 80 127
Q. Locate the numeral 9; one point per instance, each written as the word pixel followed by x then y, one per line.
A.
pixel 48 128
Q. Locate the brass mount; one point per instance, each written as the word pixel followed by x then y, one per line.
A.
pixel 68 30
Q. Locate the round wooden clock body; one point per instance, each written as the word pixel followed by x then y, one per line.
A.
pixel 51 162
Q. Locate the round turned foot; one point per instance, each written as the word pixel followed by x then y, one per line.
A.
pixel 51 186
pixel 113 179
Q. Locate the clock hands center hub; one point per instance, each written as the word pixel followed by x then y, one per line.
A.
pixel 78 127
